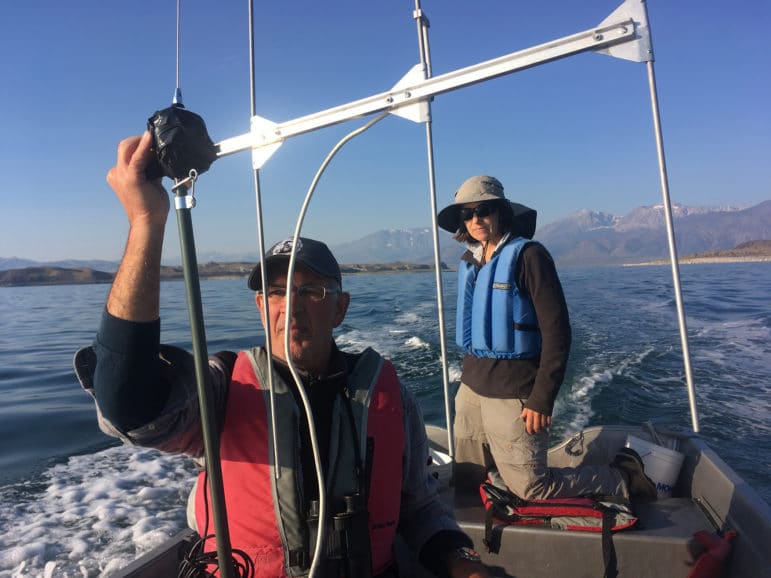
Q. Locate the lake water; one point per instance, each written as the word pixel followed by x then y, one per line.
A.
pixel 74 503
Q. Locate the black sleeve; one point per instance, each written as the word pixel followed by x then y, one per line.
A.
pixel 127 382
pixel 537 275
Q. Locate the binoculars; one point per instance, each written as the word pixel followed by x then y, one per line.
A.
pixel 348 552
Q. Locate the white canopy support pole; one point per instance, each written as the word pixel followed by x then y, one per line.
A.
pixel 425 60
pixel 624 34
pixel 257 156
pixel 407 94
pixel 671 238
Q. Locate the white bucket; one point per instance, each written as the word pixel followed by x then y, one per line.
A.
pixel 662 465
pixel 440 467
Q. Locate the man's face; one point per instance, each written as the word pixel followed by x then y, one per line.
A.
pixel 311 322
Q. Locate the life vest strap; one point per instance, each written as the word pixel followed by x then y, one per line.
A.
pixel 299 558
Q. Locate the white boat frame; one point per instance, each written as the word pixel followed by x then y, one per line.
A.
pixel 709 495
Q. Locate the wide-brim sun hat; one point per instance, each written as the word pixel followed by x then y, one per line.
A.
pixel 485 188
pixel 312 254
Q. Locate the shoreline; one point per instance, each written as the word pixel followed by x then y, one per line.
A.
pixel 704 261
pixel 48 276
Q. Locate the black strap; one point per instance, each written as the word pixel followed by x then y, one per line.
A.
pixel 608 549
pixel 525 327
pixel 492 540
pixel 299 558
pixel 361 474
pixel 369 459
pixel 228 359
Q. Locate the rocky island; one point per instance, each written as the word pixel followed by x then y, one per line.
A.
pixel 29 276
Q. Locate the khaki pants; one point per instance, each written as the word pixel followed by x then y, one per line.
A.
pixel 489 433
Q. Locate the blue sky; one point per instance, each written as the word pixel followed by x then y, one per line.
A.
pixel 77 77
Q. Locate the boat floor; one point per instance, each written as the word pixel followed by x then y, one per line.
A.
pixel 708 496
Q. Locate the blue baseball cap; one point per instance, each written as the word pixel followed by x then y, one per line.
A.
pixel 313 254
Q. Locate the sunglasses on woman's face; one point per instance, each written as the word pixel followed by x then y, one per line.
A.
pixel 481 211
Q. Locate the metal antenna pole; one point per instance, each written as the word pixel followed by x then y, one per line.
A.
pixel 425 60
pixel 183 202
pixel 177 90
pixel 671 237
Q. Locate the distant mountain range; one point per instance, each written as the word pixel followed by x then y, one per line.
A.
pixel 595 238
pixel 580 239
pixel 590 237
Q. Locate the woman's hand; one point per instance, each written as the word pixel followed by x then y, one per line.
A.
pixel 535 422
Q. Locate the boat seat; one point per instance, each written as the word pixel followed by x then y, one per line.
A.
pixel 660 546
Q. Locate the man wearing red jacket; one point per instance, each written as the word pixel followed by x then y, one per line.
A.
pixel 372 442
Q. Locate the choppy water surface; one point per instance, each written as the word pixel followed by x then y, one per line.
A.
pixel 73 503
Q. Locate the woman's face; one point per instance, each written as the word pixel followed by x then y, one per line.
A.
pixel 481 221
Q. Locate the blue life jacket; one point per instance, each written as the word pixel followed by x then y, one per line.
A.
pixel 494 319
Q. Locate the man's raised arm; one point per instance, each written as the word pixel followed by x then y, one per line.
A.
pixel 135 293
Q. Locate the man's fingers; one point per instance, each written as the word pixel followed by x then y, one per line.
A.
pixel 126 149
pixel 134 152
pixel 142 152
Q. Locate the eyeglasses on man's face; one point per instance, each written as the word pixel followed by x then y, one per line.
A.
pixel 481 211
pixel 313 292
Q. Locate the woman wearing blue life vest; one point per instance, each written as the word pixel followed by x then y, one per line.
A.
pixel 513 325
